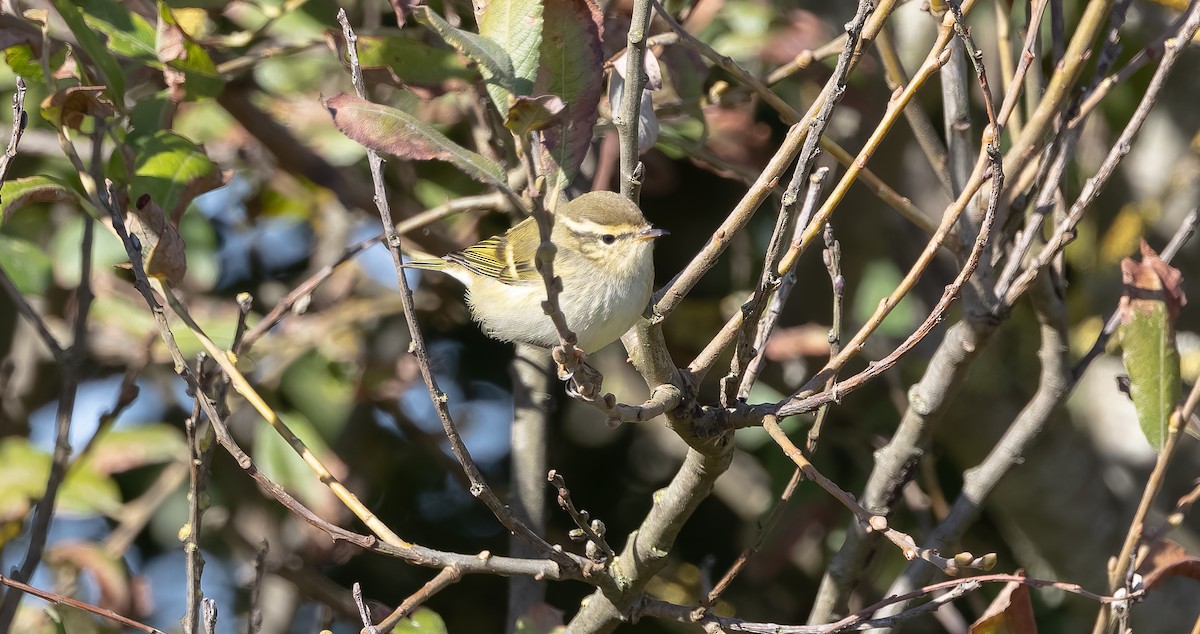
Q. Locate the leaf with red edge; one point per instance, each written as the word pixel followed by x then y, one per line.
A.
pixel 1149 307
pixel 1168 559
pixel 402 135
pixel 572 67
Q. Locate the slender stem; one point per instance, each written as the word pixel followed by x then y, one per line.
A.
pixel 479 487
pixel 631 101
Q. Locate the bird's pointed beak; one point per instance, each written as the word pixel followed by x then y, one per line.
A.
pixel 651 233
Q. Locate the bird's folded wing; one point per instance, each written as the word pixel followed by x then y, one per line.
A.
pixel 508 258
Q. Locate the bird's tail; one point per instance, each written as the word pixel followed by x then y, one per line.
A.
pixel 426 264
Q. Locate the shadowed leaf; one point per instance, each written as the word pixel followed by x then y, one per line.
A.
pixel 18 192
pixel 401 134
pixel 409 60
pixel 1150 305
pixel 26 264
pixel 97 50
pixel 1010 613
pixel 70 107
pixel 128 34
pixel 1169 559
pixel 164 253
pixel 529 114
pixel 572 67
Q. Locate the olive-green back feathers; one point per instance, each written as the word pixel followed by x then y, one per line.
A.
pixel 510 257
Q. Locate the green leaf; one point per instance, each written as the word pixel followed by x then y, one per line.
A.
pixel 24 62
pixel 572 67
pixel 401 134
pixel 120 450
pixel 412 61
pixel 26 264
pixel 279 462
pixel 173 171
pixel 529 114
pixel 18 192
pixel 149 115
pixel 516 25
pixel 100 54
pixel 87 491
pixel 23 473
pixel 494 63
pixel 129 34
pixel 1149 307
pixel 183 55
pixel 423 621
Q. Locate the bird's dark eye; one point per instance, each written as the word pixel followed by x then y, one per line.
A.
pixel 608 238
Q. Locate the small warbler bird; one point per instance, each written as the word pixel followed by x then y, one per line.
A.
pixel 605 247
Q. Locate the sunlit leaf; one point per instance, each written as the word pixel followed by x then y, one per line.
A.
pixel 423 621
pixel 190 71
pixel 1149 307
pixel 24 61
pixel 401 134
pixel 120 450
pixel 23 473
pixel 494 62
pixel 173 171
pixel 516 25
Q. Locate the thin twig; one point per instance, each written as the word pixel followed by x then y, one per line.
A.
pixel 1064 231
pixel 363 613
pixel 479 487
pixel 254 615
pixel 833 264
pixel 18 587
pixel 19 122
pixel 72 364
pixel 1120 566
pixel 770 318
pixel 305 288
pixel 590 529
pixel 878 523
pixel 834 87
pixel 628 121
pixel 448 576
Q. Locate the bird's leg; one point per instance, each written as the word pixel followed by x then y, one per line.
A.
pixel 583 381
